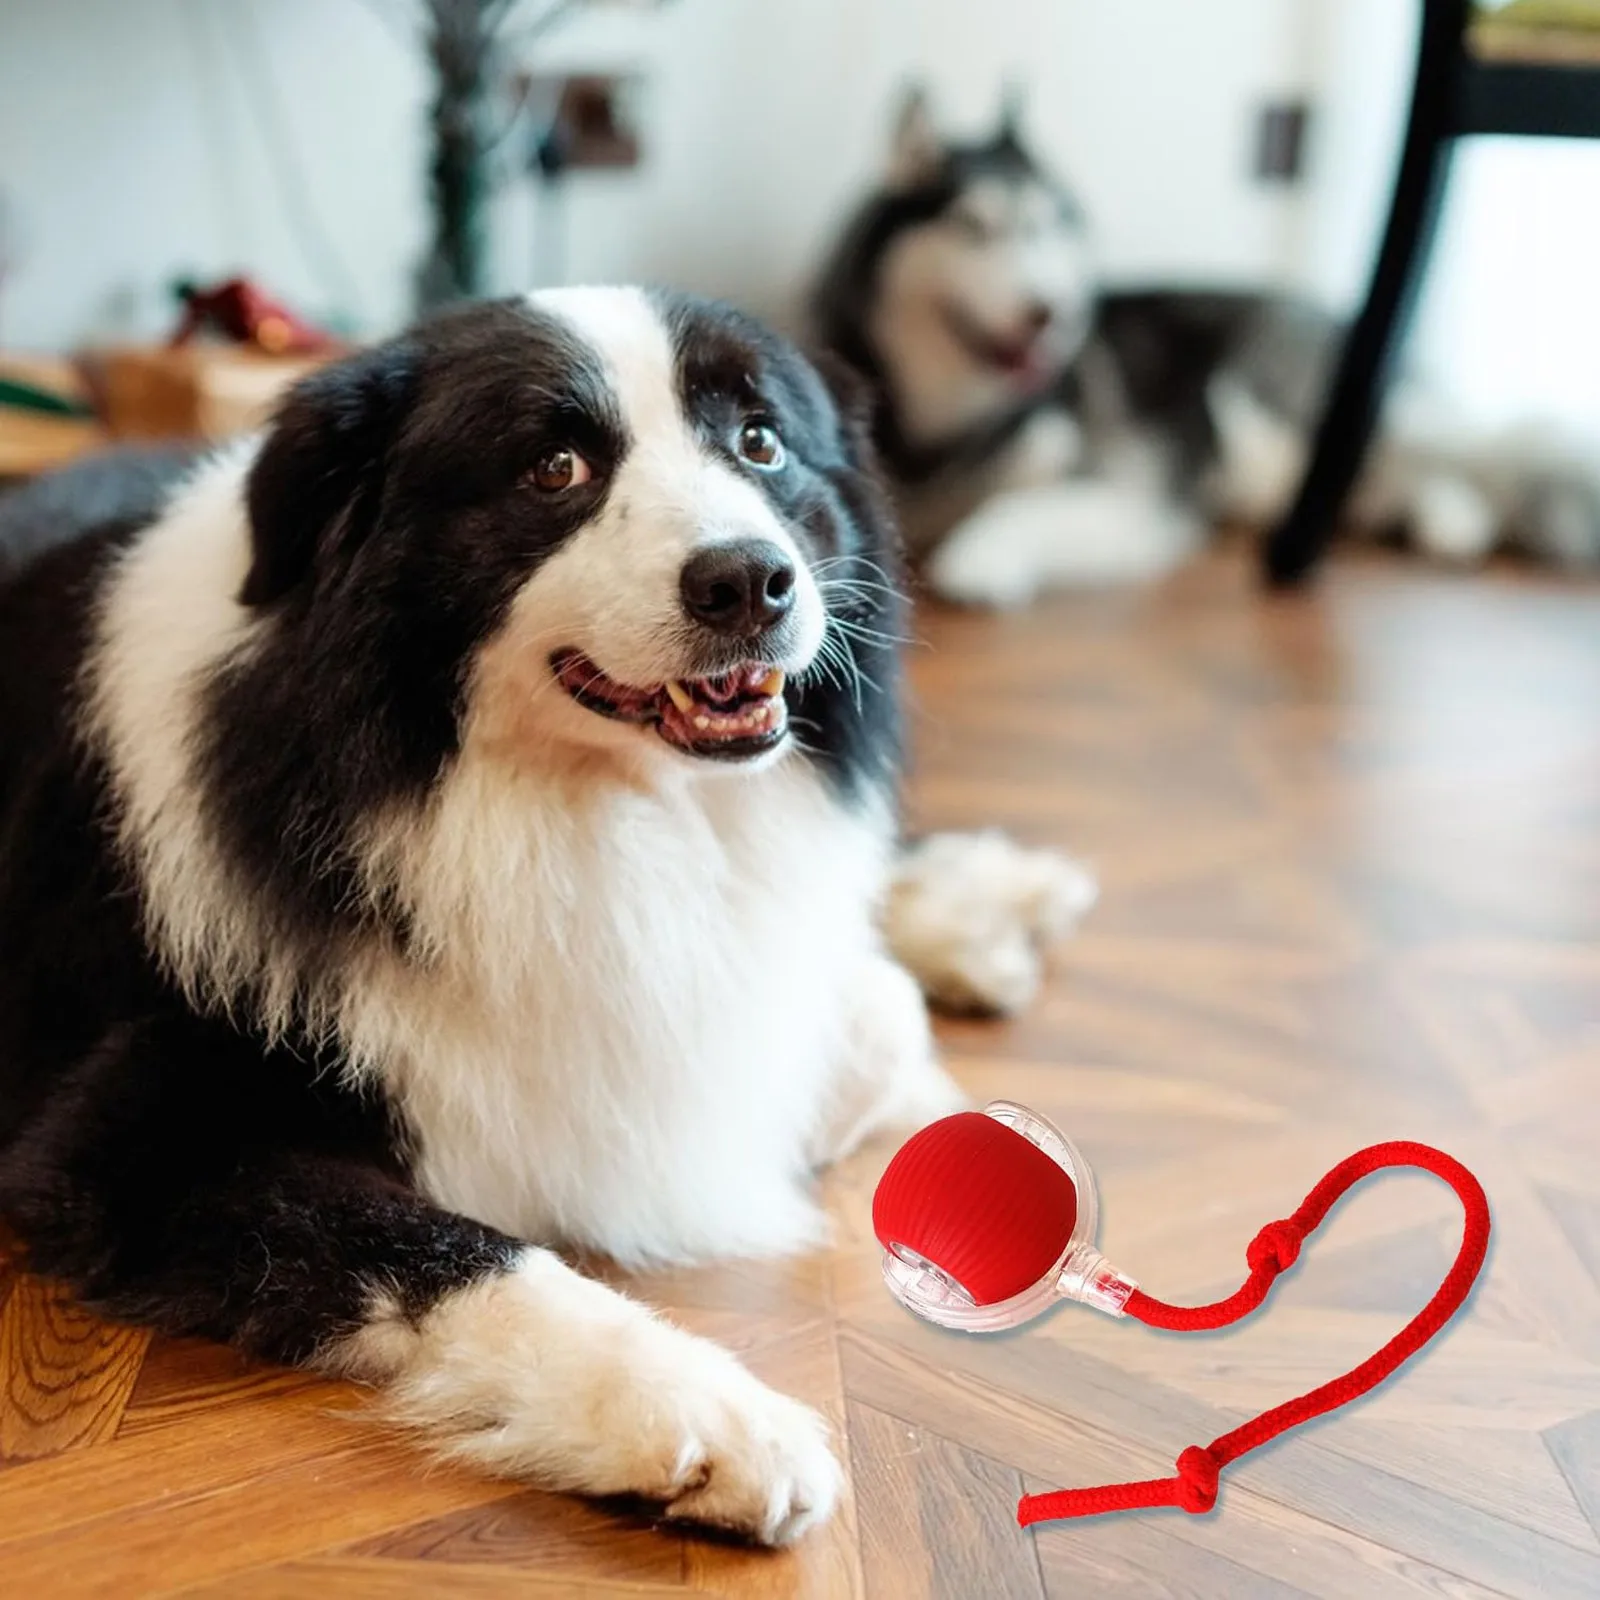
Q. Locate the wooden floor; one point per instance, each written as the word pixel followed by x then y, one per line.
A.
pixel 1350 850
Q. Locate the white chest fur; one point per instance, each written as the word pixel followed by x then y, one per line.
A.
pixel 636 999
pixel 628 1000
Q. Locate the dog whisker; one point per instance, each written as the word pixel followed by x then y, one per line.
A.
pixel 868 635
pixel 837 645
pixel 825 580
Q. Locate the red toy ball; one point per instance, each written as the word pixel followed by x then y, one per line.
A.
pixel 975 1198
pixel 987 1218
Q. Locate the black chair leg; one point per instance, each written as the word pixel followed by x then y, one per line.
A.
pixel 1351 411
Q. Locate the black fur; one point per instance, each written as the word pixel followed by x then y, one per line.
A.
pixel 390 533
pixel 178 1167
pixel 126 486
pixel 171 1167
pixel 830 491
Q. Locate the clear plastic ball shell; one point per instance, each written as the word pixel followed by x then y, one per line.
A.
pixel 1079 1273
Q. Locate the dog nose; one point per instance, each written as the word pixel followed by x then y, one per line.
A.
pixel 739 588
pixel 1038 316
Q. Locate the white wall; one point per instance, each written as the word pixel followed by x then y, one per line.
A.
pixel 1153 105
pixel 1362 53
pixel 131 151
pixel 133 141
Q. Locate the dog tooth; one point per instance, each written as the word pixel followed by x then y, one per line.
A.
pixel 773 683
pixel 702 722
pixel 679 696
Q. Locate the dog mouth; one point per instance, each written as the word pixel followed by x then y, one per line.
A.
pixel 1028 359
pixel 733 716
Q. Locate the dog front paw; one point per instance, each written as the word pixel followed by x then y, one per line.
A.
pixel 984 573
pixel 970 913
pixel 541 1374
pixel 755 1461
pixel 679 1420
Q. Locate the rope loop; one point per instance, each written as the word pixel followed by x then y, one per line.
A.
pixel 1273 1251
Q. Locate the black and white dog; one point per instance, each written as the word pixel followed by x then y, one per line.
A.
pixel 458 823
pixel 1041 432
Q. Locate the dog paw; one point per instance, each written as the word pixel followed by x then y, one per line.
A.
pixel 1081 533
pixel 752 1461
pixel 677 1419
pixel 546 1376
pixel 1453 521
pixel 970 914
pixel 983 573
pixel 673 1418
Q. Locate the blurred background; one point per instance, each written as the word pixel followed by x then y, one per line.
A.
pixel 147 141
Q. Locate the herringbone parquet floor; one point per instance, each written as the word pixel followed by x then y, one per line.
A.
pixel 1350 850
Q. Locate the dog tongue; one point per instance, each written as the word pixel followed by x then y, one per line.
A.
pixel 744 704
pixel 727 690
pixel 723 691
pixel 1024 361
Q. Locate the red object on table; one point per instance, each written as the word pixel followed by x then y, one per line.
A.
pixel 239 310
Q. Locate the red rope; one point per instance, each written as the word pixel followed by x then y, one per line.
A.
pixel 1272 1251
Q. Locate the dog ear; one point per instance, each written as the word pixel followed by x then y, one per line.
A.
pixel 855 401
pixel 916 151
pixel 1013 107
pixel 319 475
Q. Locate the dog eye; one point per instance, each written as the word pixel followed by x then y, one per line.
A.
pixel 761 446
pixel 559 471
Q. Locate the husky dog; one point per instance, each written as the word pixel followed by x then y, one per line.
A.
pixel 1041 432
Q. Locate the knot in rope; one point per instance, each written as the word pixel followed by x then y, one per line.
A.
pixel 1198 1474
pixel 1277 1247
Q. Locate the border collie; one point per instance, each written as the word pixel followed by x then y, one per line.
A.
pixel 456 824
pixel 1041 432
